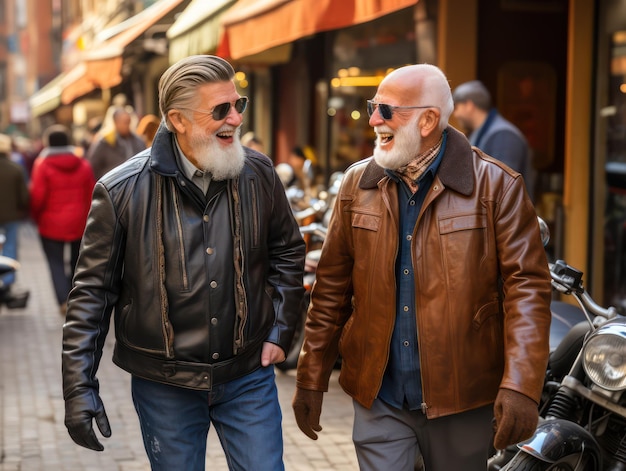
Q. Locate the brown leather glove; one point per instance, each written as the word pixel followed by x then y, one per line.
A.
pixel 516 418
pixel 307 407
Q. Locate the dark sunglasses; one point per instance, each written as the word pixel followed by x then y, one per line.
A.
pixel 219 112
pixel 386 111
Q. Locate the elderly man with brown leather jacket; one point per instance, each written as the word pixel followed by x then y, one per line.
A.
pixel 194 244
pixel 433 285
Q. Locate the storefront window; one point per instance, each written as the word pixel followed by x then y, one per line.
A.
pixel 614 121
pixel 362 56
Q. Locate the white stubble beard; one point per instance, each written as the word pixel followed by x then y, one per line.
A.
pixel 222 162
pixel 407 142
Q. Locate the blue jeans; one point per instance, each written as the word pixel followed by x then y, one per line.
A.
pixel 245 412
pixel 9 249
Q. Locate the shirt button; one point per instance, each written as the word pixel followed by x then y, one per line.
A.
pixel 205 218
pixel 209 250
pixel 406 308
pixel 214 320
pixel 406 271
pixel 215 356
pixel 409 237
pixel 412 202
pixel 213 284
pixel 405 343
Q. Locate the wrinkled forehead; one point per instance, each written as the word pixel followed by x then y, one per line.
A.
pixel 398 89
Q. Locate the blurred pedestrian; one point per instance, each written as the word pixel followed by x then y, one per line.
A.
pixel 194 245
pixel 116 146
pixel 91 134
pixel 60 191
pixel 252 141
pixel 434 285
pixel 490 131
pixel 13 207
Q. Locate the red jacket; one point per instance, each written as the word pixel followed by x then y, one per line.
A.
pixel 60 191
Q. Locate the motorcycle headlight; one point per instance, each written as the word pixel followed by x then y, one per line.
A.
pixel 604 356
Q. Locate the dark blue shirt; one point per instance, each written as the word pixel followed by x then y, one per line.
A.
pixel 402 382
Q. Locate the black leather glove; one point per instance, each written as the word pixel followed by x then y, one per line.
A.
pixel 516 418
pixel 79 413
pixel 307 407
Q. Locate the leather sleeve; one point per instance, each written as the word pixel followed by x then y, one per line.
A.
pixel 526 289
pixel 95 292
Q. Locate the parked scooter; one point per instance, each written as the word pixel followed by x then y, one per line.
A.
pixel 10 298
pixel 582 423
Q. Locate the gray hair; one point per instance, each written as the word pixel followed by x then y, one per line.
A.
pixel 474 91
pixel 437 89
pixel 179 84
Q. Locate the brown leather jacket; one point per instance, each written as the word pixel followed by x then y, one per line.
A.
pixel 481 279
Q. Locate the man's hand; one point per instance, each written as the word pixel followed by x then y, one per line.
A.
pixel 307 407
pixel 272 354
pixel 516 418
pixel 79 414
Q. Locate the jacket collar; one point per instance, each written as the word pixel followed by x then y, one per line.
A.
pixel 162 156
pixel 455 170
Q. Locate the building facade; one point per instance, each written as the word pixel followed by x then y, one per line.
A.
pixel 554 67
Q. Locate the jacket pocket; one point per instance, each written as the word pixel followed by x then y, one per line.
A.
pixel 488 324
pixel 464 222
pixel 370 222
pixel 254 208
pixel 487 311
pixel 463 243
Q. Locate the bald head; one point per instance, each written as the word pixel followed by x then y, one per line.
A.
pixel 420 84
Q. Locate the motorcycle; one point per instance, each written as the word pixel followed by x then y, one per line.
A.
pixel 582 424
pixel 317 232
pixel 313 222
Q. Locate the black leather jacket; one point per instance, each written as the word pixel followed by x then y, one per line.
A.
pixel 198 283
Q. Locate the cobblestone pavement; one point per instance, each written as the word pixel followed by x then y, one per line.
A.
pixel 32 434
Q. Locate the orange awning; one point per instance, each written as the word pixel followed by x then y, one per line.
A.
pixel 89 75
pixel 75 84
pixel 127 31
pixel 102 64
pixel 253 26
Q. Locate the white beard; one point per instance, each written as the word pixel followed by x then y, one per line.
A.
pixel 407 141
pixel 222 163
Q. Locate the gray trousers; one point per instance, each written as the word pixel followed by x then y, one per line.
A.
pixel 386 438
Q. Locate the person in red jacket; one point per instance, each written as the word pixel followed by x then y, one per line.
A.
pixel 60 191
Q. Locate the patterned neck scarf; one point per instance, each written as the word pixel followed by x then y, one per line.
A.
pixel 412 171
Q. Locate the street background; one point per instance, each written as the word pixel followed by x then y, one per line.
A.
pixel 33 436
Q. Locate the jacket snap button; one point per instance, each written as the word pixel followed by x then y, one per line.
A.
pixel 213 284
pixel 215 356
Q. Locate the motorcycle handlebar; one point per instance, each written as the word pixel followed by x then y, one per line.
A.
pixel 314 228
pixel 568 280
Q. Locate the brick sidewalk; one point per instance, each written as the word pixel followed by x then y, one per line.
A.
pixel 32 434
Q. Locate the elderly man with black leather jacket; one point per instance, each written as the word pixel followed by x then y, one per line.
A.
pixel 194 244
